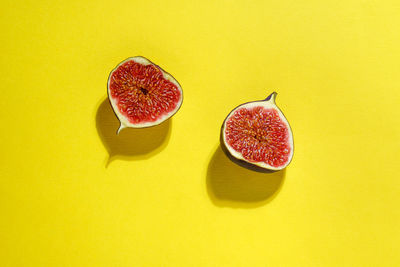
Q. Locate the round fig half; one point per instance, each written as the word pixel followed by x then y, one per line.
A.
pixel 142 94
pixel 258 136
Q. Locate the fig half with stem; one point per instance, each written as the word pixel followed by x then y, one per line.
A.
pixel 257 135
pixel 142 94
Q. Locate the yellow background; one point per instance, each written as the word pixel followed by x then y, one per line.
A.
pixel 74 194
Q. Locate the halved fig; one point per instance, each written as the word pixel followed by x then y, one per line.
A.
pixel 142 94
pixel 258 136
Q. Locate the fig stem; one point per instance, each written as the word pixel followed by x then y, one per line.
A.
pixel 121 127
pixel 271 97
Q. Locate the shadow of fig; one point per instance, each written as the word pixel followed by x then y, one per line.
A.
pixel 230 185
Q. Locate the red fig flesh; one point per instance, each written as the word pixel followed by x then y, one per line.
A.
pixel 142 94
pixel 258 134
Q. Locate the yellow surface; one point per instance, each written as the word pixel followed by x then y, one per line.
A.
pixel 74 194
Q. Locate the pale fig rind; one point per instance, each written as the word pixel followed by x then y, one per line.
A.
pixel 237 157
pixel 124 122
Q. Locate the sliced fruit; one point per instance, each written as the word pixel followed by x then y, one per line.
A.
pixel 257 135
pixel 142 94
